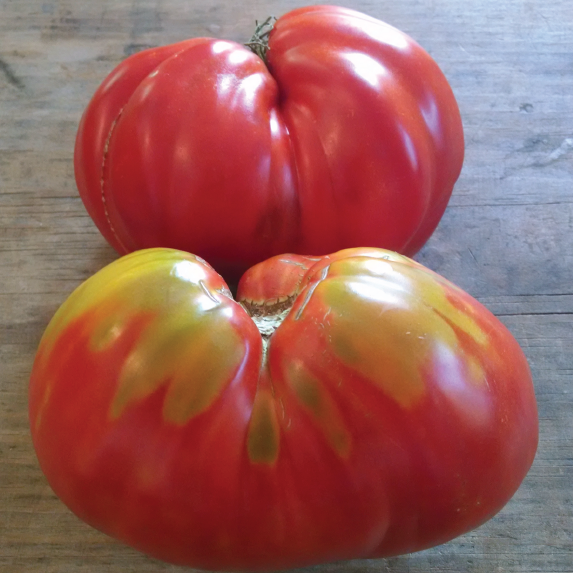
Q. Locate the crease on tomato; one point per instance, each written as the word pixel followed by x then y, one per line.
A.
pixel 103 179
pixel 310 291
pixel 113 125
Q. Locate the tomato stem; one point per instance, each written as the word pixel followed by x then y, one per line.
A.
pixel 259 42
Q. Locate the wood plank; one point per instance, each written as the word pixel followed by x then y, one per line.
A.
pixel 507 238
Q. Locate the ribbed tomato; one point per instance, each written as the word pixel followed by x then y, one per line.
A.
pixel 352 405
pixel 347 135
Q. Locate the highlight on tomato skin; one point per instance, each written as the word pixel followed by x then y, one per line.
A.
pixel 354 405
pixel 346 134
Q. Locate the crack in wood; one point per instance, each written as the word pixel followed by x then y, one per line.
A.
pixel 10 76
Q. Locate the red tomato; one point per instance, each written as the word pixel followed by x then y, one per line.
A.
pixel 377 409
pixel 348 136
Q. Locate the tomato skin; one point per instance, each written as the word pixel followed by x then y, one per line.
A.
pixel 389 412
pixel 349 136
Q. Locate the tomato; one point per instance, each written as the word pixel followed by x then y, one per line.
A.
pixel 355 405
pixel 348 135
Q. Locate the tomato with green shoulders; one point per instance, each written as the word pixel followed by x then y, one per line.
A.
pixel 353 405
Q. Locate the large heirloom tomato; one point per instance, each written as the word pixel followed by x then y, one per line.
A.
pixel 348 135
pixel 353 405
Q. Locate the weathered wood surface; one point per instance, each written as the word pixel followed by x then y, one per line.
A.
pixel 507 238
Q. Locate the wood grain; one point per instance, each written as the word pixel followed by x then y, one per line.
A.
pixel 507 238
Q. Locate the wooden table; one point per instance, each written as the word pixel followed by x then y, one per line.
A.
pixel 507 238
